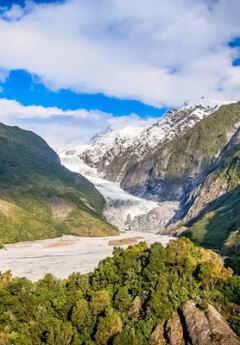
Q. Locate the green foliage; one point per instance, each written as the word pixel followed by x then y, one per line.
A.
pixel 108 326
pixel 233 261
pixel 96 309
pixel 232 289
pixel 216 225
pixel 126 339
pixel 123 298
pixel 39 197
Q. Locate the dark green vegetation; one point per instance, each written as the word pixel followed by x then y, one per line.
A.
pixel 215 229
pixel 39 198
pixel 101 308
pixel 234 262
pixel 218 224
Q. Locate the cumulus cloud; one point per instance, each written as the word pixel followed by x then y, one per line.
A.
pixel 156 51
pixel 60 127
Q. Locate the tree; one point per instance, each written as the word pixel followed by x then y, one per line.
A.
pixel 100 301
pixel 108 326
pixel 82 318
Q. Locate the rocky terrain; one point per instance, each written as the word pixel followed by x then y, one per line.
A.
pixel 189 157
pixel 193 325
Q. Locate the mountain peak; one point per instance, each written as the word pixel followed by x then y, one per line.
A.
pixel 133 143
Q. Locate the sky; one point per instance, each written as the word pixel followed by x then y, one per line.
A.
pixel 69 69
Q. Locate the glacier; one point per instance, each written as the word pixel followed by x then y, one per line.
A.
pixel 125 211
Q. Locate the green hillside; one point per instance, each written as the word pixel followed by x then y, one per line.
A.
pixel 215 225
pixel 39 198
pixel 214 228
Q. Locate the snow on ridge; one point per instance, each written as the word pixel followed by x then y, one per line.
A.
pixel 139 141
pixel 173 124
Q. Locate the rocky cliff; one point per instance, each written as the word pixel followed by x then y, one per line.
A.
pixel 190 156
pixel 178 166
pixel 193 325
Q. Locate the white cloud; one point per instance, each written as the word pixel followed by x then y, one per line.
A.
pixel 128 49
pixel 14 13
pixel 59 127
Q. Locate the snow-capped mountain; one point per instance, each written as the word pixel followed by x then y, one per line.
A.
pixel 111 150
pixel 138 157
pixel 104 147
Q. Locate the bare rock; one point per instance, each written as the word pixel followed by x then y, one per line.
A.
pixel 174 331
pixel 136 307
pixel 157 336
pixel 220 330
pixel 208 327
pixel 197 324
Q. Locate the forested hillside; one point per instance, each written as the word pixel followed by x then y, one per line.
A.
pixel 140 296
pixel 39 198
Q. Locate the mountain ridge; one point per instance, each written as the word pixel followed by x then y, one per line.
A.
pixel 191 165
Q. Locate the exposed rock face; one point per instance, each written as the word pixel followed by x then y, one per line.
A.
pixel 174 331
pixel 197 324
pixel 157 337
pixel 214 185
pixel 190 157
pixel 136 307
pixel 195 327
pixel 207 327
pixel 179 166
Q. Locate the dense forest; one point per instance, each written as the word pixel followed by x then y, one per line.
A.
pixel 125 301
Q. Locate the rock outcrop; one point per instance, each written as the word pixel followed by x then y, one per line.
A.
pixel 136 308
pixel 174 331
pixel 195 327
pixel 207 327
pixel 157 336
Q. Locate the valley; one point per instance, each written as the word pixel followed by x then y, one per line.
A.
pixel 64 255
pixel 179 175
pixel 89 248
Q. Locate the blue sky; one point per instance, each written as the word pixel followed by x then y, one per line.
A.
pixel 71 68
pixel 21 86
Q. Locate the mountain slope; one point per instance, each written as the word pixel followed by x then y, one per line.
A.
pixel 39 197
pixel 114 152
pixel 179 165
pixel 216 223
pixel 190 156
